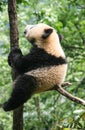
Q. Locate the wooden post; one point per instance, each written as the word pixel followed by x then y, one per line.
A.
pixel 14 41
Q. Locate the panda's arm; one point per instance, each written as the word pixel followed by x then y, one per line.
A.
pixel 35 59
pixel 19 61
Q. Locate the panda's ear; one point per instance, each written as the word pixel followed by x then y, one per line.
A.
pixel 47 32
pixel 60 37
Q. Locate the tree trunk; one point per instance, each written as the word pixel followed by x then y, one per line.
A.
pixel 14 41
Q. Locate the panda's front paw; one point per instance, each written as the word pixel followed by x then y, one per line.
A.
pixel 12 55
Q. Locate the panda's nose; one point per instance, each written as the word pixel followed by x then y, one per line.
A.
pixel 25 32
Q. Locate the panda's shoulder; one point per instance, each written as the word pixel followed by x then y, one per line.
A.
pixel 37 51
pixel 42 55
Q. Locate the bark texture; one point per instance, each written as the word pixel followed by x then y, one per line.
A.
pixel 14 42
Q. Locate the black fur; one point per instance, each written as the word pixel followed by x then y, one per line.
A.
pixel 23 89
pixel 47 32
pixel 37 58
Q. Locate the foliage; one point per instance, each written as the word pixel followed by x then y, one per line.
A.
pixel 48 111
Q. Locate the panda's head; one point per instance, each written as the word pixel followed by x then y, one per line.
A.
pixel 44 36
pixel 41 34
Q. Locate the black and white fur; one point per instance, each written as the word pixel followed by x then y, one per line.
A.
pixel 41 69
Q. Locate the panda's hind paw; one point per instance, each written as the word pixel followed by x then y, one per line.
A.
pixel 6 107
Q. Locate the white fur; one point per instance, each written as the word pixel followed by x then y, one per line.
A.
pixel 47 77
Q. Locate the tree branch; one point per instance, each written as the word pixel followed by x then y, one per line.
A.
pixel 67 94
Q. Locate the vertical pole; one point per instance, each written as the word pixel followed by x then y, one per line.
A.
pixel 14 42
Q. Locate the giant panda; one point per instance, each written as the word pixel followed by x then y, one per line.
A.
pixel 42 68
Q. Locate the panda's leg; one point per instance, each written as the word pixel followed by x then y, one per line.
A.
pixel 22 91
